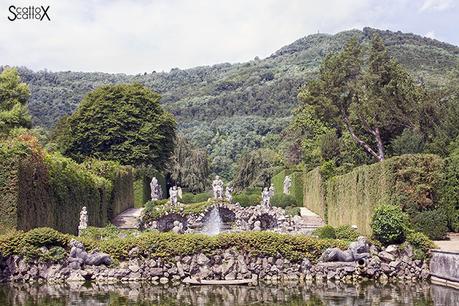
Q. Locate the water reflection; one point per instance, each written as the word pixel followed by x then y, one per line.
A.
pixel 305 294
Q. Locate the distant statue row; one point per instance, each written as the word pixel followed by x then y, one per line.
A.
pixel 217 188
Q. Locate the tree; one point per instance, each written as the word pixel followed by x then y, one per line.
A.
pixel 372 96
pixel 123 123
pixel 13 101
pixel 189 166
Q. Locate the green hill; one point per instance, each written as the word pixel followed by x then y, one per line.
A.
pixel 232 108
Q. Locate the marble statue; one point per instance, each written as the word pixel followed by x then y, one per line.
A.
pixel 357 250
pixel 266 197
pixel 175 193
pixel 287 184
pixel 156 192
pixel 257 226
pixel 217 187
pixel 83 220
pixel 228 193
pixel 178 227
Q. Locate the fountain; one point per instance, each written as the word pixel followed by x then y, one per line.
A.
pixel 213 224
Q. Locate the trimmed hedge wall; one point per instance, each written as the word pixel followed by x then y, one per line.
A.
pixel 296 189
pixel 410 181
pixel 41 189
pixel 314 194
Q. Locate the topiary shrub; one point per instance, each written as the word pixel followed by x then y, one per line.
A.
pixel 325 232
pixel 433 223
pixel 346 232
pixel 188 197
pixel 283 200
pixel 45 236
pixel 389 224
pixel 99 233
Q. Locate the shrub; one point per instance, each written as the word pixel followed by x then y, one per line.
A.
pixel 389 224
pixel 189 198
pixel 247 199
pixel 433 223
pixel 283 200
pixel 325 232
pixel 45 236
pixel 346 232
pixel 420 241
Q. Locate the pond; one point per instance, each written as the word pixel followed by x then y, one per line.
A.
pixel 292 295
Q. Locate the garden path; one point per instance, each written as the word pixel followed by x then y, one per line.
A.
pixel 128 219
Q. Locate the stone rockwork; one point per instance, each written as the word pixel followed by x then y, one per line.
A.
pixel 227 264
pixel 239 219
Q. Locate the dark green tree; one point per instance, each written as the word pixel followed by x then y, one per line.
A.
pixel 13 101
pixel 368 95
pixel 123 123
pixel 189 166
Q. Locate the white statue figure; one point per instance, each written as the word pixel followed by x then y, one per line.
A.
pixel 174 193
pixel 83 220
pixel 178 227
pixel 257 226
pixel 217 187
pixel 266 197
pixel 287 184
pixel 155 189
pixel 228 193
pixel 271 190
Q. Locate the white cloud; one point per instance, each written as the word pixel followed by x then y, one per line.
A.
pixel 141 35
pixel 436 5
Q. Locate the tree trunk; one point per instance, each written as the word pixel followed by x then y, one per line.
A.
pixel 380 155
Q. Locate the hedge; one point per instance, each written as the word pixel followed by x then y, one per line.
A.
pixel 296 189
pixel 42 189
pixel 450 191
pixel 411 181
pixel 169 245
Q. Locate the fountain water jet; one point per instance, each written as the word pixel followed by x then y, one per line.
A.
pixel 214 223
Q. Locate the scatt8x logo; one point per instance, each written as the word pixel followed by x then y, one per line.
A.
pixel 28 13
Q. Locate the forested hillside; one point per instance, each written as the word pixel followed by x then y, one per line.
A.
pixel 233 108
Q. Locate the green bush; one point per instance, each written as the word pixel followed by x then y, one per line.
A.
pixel 247 199
pixel 325 232
pixel 433 223
pixel 389 224
pixel 420 241
pixel 189 198
pixel 449 199
pixel 283 200
pixel 45 236
pixel 346 232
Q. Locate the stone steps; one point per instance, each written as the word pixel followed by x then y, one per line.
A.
pixel 312 219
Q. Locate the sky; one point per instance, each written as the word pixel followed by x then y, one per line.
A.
pixel 143 36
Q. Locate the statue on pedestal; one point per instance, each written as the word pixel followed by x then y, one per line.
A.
pixel 217 187
pixel 287 184
pixel 266 197
pixel 83 220
pixel 228 193
pixel 175 193
pixel 156 192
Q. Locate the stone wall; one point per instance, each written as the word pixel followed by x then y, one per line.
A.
pixel 224 264
pixel 444 266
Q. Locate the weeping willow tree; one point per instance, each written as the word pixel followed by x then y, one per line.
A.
pixel 256 168
pixel 189 166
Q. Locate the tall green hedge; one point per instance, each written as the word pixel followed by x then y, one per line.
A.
pixel 411 181
pixel 450 191
pixel 296 189
pixel 42 189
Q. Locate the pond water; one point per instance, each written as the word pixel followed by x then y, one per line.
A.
pixel 420 294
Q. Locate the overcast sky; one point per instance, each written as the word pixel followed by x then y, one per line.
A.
pixel 141 36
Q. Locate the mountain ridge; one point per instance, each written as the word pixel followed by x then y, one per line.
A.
pixel 225 107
